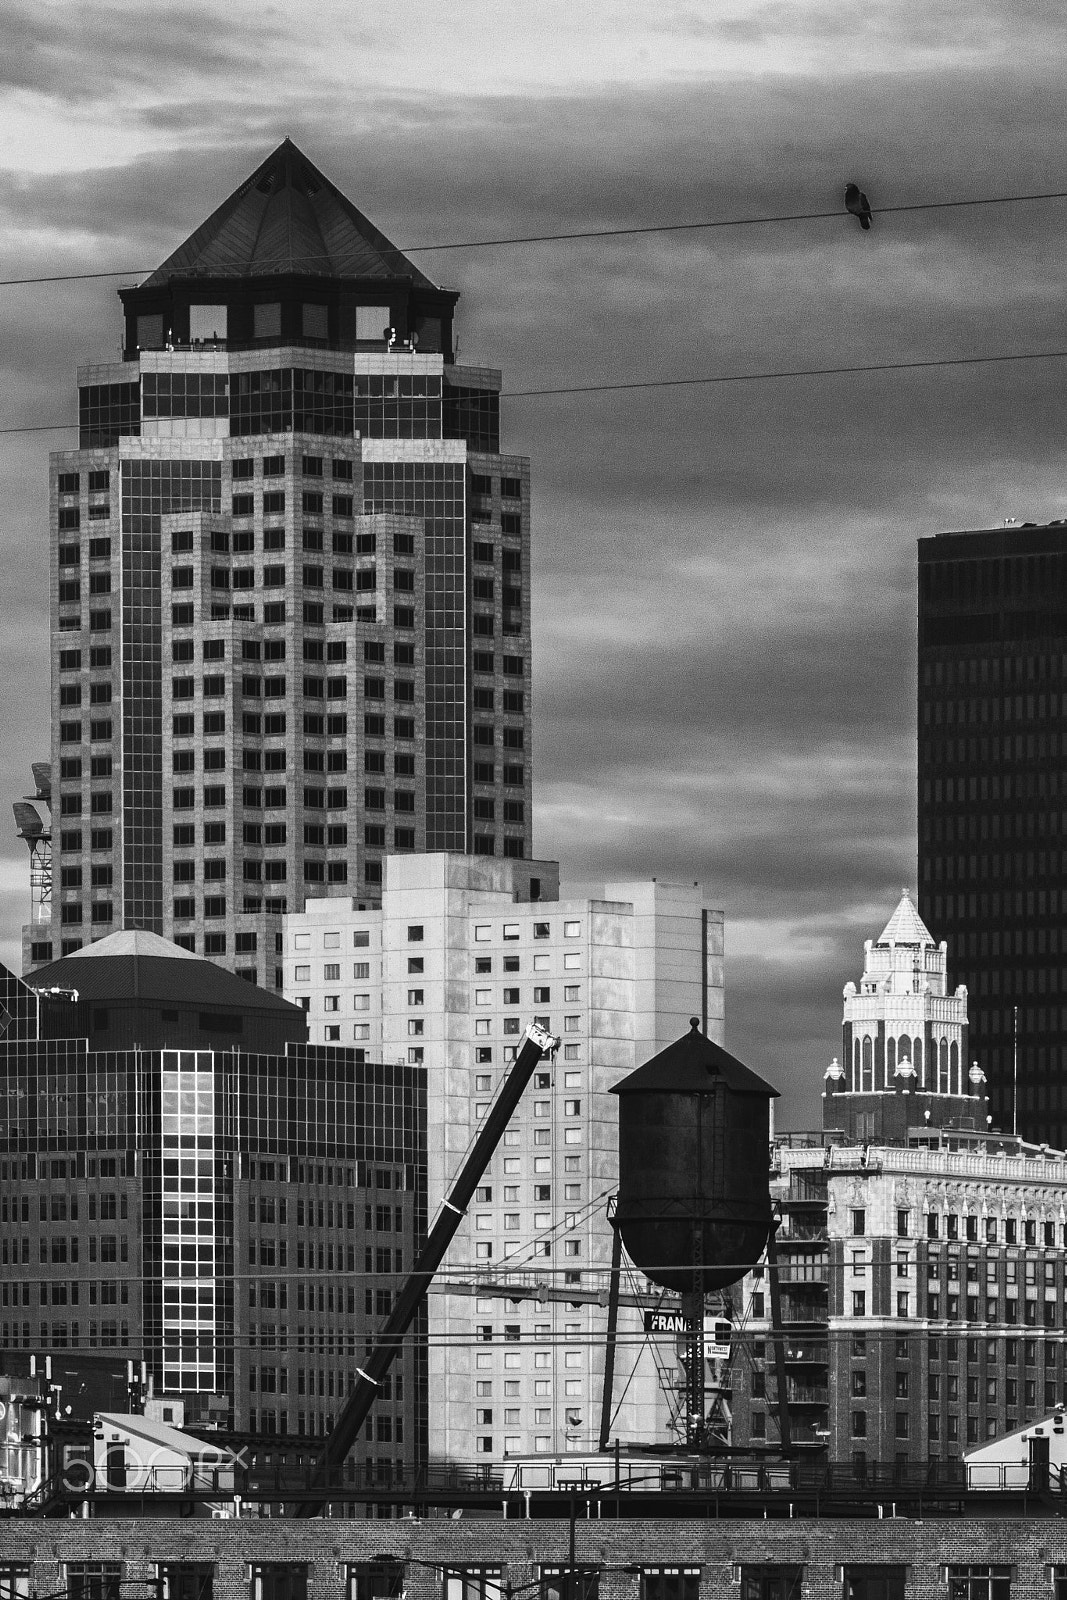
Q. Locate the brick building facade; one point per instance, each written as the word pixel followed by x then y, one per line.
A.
pixel 971 1557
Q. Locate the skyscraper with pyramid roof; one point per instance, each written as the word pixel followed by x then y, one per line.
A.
pixel 289 588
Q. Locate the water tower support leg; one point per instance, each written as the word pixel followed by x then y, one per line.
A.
pixel 778 1339
pixel 692 1307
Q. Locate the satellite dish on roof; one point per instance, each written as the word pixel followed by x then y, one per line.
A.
pixel 28 821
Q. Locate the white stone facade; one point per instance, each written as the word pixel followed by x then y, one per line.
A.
pixel 451 969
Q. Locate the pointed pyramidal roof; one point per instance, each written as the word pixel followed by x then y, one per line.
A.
pixel 905 926
pixel 136 966
pixel 134 942
pixel 287 218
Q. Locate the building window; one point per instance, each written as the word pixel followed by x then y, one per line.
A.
pixel 771 1582
pixel 874 1583
pixel 186 1580
pixel 279 1580
pixel 672 1583
pixel 377 1580
pixel 979 1582
pixel 859 1220
pixel 557 1583
pixel 86 1580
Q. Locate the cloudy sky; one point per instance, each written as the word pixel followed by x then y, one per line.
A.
pixel 724 575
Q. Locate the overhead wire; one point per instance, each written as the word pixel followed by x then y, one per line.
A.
pixel 287 1344
pixel 574 235
pixel 477 1275
pixel 707 380
pixel 655 383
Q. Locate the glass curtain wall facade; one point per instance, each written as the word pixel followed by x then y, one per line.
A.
pixel 239 1222
pixel 992 780
pixel 290 601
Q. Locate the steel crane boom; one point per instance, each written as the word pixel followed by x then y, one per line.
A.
pixel 353 1414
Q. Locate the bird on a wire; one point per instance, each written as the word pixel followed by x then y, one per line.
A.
pixel 856 202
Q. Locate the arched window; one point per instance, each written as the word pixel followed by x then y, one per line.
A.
pixel 890 1062
pixel 868 1063
pixel 857 1082
pixel 954 1070
pixel 917 1063
pixel 942 1067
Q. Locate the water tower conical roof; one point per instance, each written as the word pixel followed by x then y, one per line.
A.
pixel 689 1065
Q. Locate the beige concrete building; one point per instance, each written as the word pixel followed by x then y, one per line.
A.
pixel 462 954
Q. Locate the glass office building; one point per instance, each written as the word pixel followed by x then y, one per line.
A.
pixel 185 1180
pixel 289 589
pixel 992 794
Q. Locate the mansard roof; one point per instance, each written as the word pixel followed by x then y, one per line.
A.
pixel 287 218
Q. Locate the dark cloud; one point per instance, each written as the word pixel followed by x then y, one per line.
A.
pixel 94 51
pixel 724 575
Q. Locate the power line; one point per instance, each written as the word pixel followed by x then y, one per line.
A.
pixel 42 427
pixel 708 380
pixel 787 372
pixel 589 233
pixel 735 222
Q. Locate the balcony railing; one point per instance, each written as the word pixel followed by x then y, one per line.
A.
pixel 814 1273
pixel 803 1353
pixel 807 1394
pixel 801 1232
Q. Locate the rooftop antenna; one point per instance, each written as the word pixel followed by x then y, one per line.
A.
pixel 1015 1071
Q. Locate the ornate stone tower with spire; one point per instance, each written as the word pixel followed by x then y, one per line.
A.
pixel 903 1065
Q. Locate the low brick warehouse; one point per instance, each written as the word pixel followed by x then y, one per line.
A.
pixel 1029 1553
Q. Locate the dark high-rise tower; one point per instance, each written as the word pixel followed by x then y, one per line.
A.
pixel 290 602
pixel 993 801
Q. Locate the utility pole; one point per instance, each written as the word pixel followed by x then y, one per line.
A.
pixel 1015 1071
pixel 572 1486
